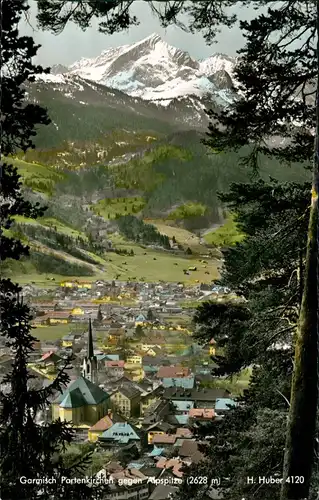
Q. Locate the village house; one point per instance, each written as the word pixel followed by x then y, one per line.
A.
pixel 127 401
pixel 114 368
pixel 158 428
pixel 202 398
pixel 168 372
pixel 201 415
pixel 127 484
pixel 150 398
pixel 103 425
pixel 223 405
pixel 184 382
pixel 120 434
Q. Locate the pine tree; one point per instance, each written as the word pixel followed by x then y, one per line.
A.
pixel 150 315
pixel 26 448
pixel 263 271
pixel 279 84
pixel 99 315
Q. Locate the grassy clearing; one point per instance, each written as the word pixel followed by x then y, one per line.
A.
pixel 166 267
pixel 60 227
pixel 236 384
pixel 226 235
pixel 55 332
pixel 51 223
pixel 51 332
pixel 112 208
pixel 190 209
pixel 38 177
pixel 182 236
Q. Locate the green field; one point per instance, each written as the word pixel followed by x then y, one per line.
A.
pixel 51 223
pixel 51 332
pixel 38 177
pixel 54 332
pixel 226 235
pixel 182 236
pixel 166 267
pixel 187 210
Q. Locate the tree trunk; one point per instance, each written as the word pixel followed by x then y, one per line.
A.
pixel 300 439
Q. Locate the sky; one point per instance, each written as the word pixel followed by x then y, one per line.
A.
pixel 73 43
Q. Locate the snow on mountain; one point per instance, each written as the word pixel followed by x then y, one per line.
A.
pixel 155 71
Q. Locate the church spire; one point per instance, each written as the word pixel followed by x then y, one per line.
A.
pixel 90 342
pixel 89 367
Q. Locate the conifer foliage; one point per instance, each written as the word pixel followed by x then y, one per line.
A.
pixel 26 448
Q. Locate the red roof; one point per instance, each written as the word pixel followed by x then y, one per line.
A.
pixel 202 413
pixel 103 424
pixel 172 463
pixel 164 438
pixel 182 432
pixel 115 364
pixel 173 371
pixel 47 355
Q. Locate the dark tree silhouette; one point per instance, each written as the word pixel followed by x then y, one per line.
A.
pixel 26 448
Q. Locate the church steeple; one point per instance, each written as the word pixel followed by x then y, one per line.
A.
pixel 89 367
pixel 90 341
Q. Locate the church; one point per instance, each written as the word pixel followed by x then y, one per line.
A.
pixel 83 403
pixel 89 367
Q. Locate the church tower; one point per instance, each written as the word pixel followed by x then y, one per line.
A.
pixel 89 367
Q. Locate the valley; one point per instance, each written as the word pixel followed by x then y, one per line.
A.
pixel 130 189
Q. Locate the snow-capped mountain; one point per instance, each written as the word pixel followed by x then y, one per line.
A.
pixel 155 71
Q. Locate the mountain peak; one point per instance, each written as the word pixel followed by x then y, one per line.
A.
pixel 154 37
pixel 155 71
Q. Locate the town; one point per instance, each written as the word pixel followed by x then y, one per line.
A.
pixel 138 380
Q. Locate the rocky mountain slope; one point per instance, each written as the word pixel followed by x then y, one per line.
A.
pixel 150 83
pixel 156 71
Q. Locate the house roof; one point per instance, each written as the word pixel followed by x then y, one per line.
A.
pixel 156 452
pixel 113 357
pixel 211 395
pixel 115 364
pixel 102 425
pixel 162 426
pixel 128 391
pixel 121 432
pixel 189 448
pixel 91 394
pixel 51 355
pixel 164 438
pixel 185 382
pixel 183 405
pixel 182 432
pixel 224 403
pixel 173 372
pixel 202 413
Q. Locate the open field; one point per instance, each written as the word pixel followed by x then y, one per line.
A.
pixel 226 235
pixel 54 332
pixel 165 267
pixel 235 384
pixel 182 236
pixel 51 332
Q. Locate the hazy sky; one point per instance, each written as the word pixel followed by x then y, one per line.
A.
pixel 74 43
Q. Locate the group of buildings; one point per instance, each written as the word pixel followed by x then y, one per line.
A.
pixel 129 394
